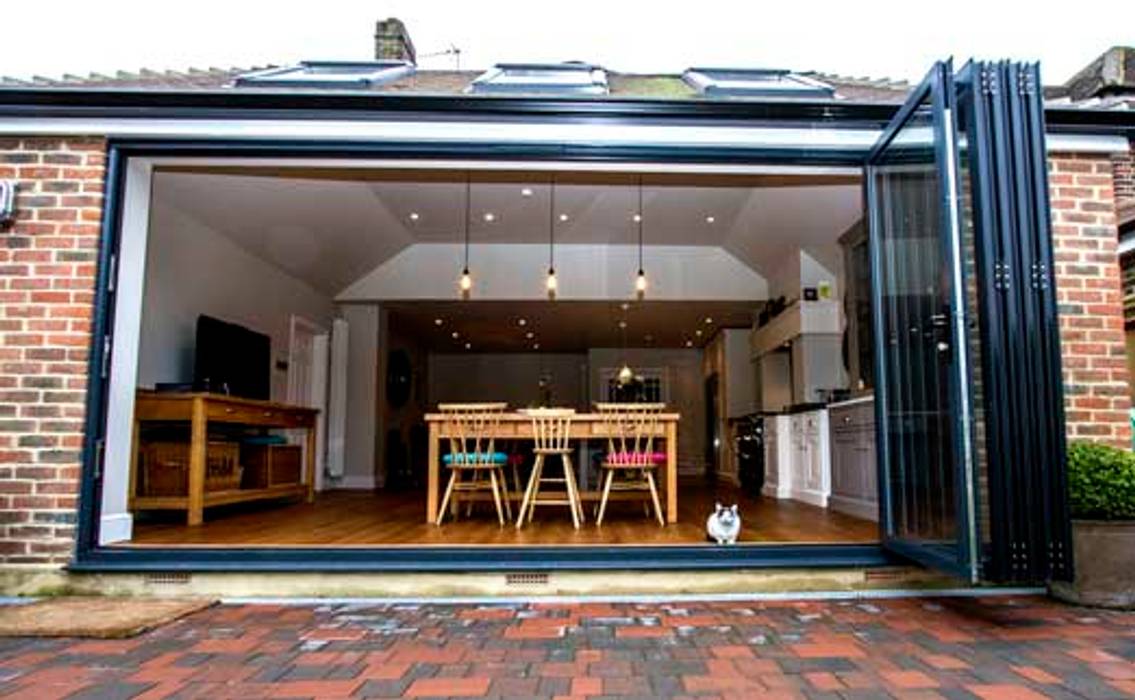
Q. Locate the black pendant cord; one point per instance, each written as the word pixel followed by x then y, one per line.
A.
pixel 468 215
pixel 641 216
pixel 552 229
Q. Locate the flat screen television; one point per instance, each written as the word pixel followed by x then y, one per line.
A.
pixel 231 359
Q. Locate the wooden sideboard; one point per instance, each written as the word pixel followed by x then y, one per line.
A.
pixel 199 410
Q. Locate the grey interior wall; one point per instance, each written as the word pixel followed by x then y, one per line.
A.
pixel 510 377
pixel 687 393
pixel 192 269
pixel 362 395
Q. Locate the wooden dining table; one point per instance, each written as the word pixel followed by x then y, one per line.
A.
pixel 517 425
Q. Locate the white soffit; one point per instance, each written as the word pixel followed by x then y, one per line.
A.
pixel 465 132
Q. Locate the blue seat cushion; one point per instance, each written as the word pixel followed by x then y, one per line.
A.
pixel 474 458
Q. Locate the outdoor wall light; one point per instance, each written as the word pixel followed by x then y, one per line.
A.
pixel 7 202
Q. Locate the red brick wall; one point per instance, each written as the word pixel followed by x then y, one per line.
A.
pixel 47 273
pixel 1124 170
pixel 1096 379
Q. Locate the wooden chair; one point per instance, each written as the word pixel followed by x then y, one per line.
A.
pixel 551 432
pixel 471 428
pixel 631 430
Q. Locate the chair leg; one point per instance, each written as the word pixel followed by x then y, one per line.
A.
pixel 578 498
pixel 445 499
pixel 654 497
pixel 540 462
pixel 606 493
pixel 505 496
pixel 569 486
pixel 525 504
pixel 496 495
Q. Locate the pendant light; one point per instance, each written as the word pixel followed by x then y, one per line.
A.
pixel 626 374
pixel 465 282
pixel 551 282
pixel 640 280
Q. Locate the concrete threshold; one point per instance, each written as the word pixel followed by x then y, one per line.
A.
pixel 535 586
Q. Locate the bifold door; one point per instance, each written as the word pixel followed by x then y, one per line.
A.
pixel 968 393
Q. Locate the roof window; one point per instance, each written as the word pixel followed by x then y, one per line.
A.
pixel 544 78
pixel 348 75
pixel 755 82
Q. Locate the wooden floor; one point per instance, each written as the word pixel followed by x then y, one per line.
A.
pixel 354 518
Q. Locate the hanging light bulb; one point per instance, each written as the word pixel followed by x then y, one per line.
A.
pixel 551 283
pixel 465 282
pixel 640 280
pixel 626 375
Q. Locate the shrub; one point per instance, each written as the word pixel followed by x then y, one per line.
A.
pixel 1101 481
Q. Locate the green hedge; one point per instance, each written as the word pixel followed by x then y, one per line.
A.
pixel 1101 481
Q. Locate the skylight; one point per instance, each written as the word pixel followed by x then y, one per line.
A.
pixel 544 78
pixel 755 82
pixel 348 75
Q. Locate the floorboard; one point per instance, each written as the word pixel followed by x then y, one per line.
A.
pixel 377 518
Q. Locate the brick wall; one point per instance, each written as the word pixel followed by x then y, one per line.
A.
pixel 47 273
pixel 1088 293
pixel 1123 167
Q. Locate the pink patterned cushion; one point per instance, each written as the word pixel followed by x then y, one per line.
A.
pixel 644 458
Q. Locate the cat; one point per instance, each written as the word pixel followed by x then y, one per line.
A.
pixel 724 524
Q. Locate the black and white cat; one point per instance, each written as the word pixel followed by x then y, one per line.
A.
pixel 724 524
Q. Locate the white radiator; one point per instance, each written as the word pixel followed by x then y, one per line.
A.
pixel 337 401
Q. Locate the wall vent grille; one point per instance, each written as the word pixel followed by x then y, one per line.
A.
pixel 526 578
pixel 168 578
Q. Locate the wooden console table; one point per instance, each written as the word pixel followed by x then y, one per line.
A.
pixel 200 409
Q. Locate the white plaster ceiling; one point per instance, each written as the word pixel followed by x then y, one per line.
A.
pixel 332 228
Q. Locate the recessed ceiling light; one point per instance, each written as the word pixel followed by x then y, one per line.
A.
pixel 689 343
pixel 490 217
pixel 522 322
pixel 468 346
pixel 698 332
pixel 414 216
pixel 708 320
pixel 710 219
pixel 624 306
pixel 563 217
pixel 530 335
pixel 526 192
pixel 622 324
pixel 438 321
pixel 535 346
pixel 455 335
pixel 637 218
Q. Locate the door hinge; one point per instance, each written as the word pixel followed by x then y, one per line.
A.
pixel 1002 278
pixel 988 78
pixel 105 370
pixel 112 274
pixel 100 456
pixel 1040 276
pixel 1025 84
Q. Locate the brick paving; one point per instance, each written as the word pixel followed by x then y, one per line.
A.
pixel 996 647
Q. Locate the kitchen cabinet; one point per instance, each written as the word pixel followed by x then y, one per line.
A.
pixel 811 458
pixel 778 457
pixel 854 467
pixel 797 457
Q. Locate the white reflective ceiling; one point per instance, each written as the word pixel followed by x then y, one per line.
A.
pixel 332 226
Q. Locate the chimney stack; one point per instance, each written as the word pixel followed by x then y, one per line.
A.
pixel 392 41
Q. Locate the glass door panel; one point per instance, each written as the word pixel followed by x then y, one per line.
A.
pixel 922 399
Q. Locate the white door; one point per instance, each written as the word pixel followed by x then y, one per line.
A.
pixel 308 345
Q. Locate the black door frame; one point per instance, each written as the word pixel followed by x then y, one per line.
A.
pixel 91 556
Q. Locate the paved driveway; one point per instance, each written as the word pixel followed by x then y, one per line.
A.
pixel 955 648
